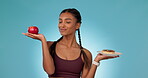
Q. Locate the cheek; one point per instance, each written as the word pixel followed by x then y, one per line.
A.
pixel 72 27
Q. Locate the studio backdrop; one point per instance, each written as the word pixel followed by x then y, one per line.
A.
pixel 120 25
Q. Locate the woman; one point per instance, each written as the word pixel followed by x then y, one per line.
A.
pixel 65 58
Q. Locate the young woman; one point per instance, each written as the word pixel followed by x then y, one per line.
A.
pixel 65 58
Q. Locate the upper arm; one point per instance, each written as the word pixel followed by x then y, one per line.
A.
pixel 86 70
pixel 49 43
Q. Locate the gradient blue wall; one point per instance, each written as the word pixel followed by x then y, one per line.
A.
pixel 114 24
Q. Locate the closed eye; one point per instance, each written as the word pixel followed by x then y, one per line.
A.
pixel 60 22
pixel 68 22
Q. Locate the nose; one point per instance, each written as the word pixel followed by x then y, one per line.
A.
pixel 61 25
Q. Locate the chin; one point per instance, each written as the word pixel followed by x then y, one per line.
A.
pixel 63 34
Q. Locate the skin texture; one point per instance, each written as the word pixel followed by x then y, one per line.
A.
pixel 67 48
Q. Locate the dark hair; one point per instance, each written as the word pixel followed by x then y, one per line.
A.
pixel 74 12
pixel 77 15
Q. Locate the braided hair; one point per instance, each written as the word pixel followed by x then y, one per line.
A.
pixel 82 51
pixel 77 15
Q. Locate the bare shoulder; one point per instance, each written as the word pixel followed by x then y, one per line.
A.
pixel 89 56
pixel 49 43
pixel 88 53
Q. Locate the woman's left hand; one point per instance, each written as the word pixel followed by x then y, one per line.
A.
pixel 100 57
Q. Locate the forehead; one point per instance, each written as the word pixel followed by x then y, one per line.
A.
pixel 66 15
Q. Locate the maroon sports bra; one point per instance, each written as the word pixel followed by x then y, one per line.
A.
pixel 67 68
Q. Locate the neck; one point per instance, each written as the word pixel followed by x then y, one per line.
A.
pixel 69 41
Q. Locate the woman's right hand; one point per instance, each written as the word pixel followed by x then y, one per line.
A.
pixel 35 36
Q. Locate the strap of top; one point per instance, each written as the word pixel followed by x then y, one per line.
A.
pixel 52 48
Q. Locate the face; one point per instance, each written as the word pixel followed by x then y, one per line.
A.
pixel 67 24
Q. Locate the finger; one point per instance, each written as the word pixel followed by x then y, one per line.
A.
pixel 114 56
pixel 33 34
pixel 117 56
pixel 99 54
pixel 108 57
pixel 25 34
pixel 29 35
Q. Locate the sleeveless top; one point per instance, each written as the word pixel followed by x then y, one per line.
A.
pixel 67 68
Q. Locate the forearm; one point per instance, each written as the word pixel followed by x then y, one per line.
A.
pixel 92 71
pixel 48 63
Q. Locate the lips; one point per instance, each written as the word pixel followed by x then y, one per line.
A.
pixel 62 29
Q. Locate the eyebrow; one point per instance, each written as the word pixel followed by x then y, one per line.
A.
pixel 66 19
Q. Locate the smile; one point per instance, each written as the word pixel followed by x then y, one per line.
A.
pixel 62 29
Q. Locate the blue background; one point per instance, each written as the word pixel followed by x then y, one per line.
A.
pixel 113 24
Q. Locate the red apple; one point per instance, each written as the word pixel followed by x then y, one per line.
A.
pixel 33 29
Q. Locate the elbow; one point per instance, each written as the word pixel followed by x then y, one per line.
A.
pixel 89 77
pixel 50 72
pixel 49 69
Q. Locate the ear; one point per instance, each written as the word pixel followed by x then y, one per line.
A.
pixel 78 26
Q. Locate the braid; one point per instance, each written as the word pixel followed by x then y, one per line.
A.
pixel 80 39
pixel 53 46
pixel 59 39
pixel 82 51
